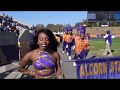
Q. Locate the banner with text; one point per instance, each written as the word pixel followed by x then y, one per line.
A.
pixel 98 68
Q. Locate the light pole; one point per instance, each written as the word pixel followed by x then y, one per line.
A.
pixel 19 46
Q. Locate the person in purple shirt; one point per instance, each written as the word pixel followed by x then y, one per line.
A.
pixel 44 57
pixel 108 41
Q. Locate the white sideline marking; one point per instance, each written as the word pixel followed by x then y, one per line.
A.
pixel 12 75
pixel 18 75
pixel 7 67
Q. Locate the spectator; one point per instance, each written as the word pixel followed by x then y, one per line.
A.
pixel 17 32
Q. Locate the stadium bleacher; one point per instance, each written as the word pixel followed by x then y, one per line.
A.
pixel 11 31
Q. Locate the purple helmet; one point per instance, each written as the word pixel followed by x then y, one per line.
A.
pixel 65 29
pixel 108 31
pixel 81 28
pixel 69 28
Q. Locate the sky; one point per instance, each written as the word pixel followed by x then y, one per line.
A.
pixel 48 17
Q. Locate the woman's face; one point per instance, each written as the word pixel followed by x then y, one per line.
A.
pixel 43 41
pixel 78 32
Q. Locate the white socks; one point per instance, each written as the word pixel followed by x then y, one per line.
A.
pixel 70 58
pixel 74 64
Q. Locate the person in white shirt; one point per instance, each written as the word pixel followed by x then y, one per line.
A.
pixel 108 41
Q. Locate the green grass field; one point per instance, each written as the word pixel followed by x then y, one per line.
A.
pixel 98 46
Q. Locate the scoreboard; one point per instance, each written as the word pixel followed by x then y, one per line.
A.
pixel 103 16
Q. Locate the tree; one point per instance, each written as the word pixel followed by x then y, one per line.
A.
pixel 113 23
pixel 78 23
pixel 50 26
pixel 94 24
pixel 55 28
pixel 86 23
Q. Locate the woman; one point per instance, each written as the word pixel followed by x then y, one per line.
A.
pixel 44 56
